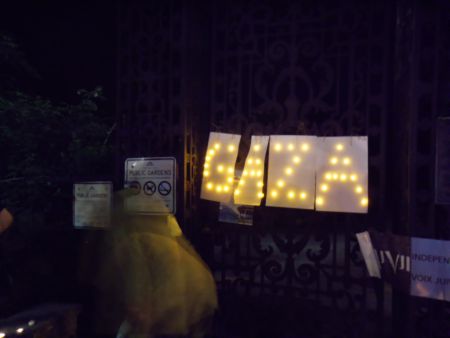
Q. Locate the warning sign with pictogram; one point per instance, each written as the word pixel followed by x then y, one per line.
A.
pixel 152 179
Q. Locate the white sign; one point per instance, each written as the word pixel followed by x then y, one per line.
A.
pixel 92 204
pixel 430 268
pixel 292 171
pixel 218 169
pixel 250 187
pixel 154 183
pixel 342 174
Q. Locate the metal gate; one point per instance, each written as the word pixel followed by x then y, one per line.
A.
pixel 375 68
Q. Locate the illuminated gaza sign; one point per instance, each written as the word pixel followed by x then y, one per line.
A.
pixel 304 172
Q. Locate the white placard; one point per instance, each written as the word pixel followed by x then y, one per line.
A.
pixel 430 268
pixel 250 187
pixel 153 179
pixel 92 203
pixel 342 174
pixel 369 254
pixel 292 170
pixel 219 167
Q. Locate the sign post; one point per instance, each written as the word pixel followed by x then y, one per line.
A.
pixel 153 180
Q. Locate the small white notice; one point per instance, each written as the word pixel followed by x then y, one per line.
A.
pixel 153 181
pixel 92 204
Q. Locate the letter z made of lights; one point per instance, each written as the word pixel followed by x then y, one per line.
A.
pixel 291 174
pixel 219 167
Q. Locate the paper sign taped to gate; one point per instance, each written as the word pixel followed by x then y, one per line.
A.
pixel 92 204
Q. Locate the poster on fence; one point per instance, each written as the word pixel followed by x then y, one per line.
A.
pixel 229 212
pixel 418 266
pixel 92 203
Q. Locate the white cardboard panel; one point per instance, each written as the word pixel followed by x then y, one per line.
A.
pixel 219 167
pixel 291 174
pixel 250 187
pixel 342 174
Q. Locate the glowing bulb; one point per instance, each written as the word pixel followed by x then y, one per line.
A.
pixel 339 147
pixel 353 177
pixel 2 335
pixel 237 192
pixel 359 189
pixel 207 158
pixel 290 147
pixel 206 165
pixel 31 323
pixel 334 160
pixel 335 176
pixel 209 186
pixel 252 173
pixel 230 170
pixel 291 194
pixel 303 195
pixel 220 168
pixel 258 161
pixel 277 147
pixel 250 160
pixel 324 187
pixel 259 173
pixel 364 202
pixel 296 159
pixel 244 173
pixel 346 161
pixel 343 177
pixel 206 173
pixel 328 176
pixel 260 184
pixel 217 146
pixel 230 179
pixel 211 152
pixel 19 330
pixel 241 182
pixel 231 148
pixel 226 188
pixel 319 200
pixel 219 188
pixel 305 146
pixel 280 183
pixel 256 147
pixel 274 193
pixel 288 171
pixel 260 195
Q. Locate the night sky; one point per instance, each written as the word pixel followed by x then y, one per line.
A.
pixel 71 44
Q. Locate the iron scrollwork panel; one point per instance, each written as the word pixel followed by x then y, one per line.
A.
pixel 307 69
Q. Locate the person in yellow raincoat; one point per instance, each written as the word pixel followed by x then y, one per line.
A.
pixel 162 284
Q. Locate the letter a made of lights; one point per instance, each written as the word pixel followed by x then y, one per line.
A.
pixel 250 187
pixel 291 174
pixel 219 166
pixel 342 174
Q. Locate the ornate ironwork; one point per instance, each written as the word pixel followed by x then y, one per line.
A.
pixel 422 45
pixel 326 68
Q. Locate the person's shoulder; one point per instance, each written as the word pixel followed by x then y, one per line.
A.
pixel 6 219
